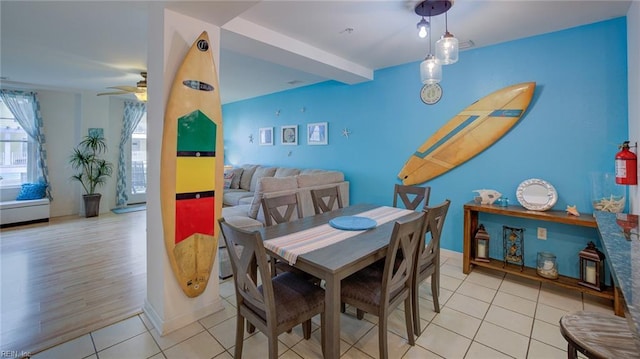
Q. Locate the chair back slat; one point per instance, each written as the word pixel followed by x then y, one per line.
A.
pixel 411 196
pixel 401 255
pixel 433 224
pixel 280 209
pixel 326 199
pixel 248 257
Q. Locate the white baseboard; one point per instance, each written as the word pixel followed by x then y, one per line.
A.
pixel 167 326
pixel 450 254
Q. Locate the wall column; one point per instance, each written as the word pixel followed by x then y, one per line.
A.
pixel 170 35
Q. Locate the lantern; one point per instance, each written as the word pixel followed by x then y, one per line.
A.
pixel 481 240
pixel 592 267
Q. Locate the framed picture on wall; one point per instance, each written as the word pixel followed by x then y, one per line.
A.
pixel 289 134
pixel 266 136
pixel 317 133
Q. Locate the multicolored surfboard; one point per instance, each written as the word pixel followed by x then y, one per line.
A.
pixel 468 133
pixel 192 169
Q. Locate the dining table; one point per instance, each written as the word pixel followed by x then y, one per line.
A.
pixel 311 244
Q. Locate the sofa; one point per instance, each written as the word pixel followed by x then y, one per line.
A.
pixel 246 185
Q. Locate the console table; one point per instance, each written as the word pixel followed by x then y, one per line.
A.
pixel 471 211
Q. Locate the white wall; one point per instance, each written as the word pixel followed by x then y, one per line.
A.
pixel 67 116
pixel 633 59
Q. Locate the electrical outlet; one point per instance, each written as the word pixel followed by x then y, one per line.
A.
pixel 542 233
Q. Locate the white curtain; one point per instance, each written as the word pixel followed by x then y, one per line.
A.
pixel 133 112
pixel 26 109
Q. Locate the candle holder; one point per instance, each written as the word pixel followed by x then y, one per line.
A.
pixel 592 267
pixel 547 266
pixel 481 240
pixel 513 246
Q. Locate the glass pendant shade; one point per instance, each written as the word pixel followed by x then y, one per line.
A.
pixel 430 70
pixel 447 49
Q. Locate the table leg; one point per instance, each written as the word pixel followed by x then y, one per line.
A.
pixel 332 318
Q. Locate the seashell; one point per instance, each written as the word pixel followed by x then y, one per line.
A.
pixel 488 196
pixel 573 210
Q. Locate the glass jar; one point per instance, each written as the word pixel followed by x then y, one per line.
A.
pixel 547 266
pixel 606 195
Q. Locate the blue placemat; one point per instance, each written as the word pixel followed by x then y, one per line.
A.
pixel 353 223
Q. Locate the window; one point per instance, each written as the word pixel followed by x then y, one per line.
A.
pixel 17 151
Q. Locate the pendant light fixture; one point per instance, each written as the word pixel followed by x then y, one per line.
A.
pixel 430 69
pixel 446 47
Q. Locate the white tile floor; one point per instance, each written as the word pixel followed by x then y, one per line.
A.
pixel 484 315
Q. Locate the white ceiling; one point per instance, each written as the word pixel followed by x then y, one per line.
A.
pixel 265 45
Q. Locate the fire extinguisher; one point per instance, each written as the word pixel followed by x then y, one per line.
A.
pixel 626 166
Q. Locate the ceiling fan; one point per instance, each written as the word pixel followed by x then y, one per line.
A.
pixel 140 90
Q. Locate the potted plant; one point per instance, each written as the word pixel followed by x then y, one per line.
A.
pixel 93 170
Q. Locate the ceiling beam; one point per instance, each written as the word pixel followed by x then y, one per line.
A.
pixel 257 41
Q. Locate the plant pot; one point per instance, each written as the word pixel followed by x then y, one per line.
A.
pixel 91 204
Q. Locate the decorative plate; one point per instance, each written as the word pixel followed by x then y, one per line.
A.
pixel 353 223
pixel 536 195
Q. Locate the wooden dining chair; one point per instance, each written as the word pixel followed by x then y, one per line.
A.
pixel 411 196
pixel 278 303
pixel 326 199
pixel 598 335
pixel 379 290
pixel 428 259
pixel 280 209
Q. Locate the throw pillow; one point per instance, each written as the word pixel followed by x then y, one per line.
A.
pixel 31 191
pixel 228 178
pixel 267 185
pixel 235 182
pixel 247 174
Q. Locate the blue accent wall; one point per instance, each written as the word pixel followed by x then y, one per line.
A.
pixel 576 120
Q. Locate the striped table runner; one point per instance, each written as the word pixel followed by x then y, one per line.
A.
pixel 292 245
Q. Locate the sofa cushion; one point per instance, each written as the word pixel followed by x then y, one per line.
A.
pixel 270 184
pixel 319 178
pixel 232 197
pixel 235 181
pixel 286 172
pixel 247 174
pixel 244 222
pixel 259 173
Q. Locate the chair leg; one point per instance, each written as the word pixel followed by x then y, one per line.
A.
pixel 322 333
pixel 415 308
pixel 360 314
pixel 306 329
pixel 343 307
pixel 407 318
pixel 250 328
pixel 435 289
pixel 273 346
pixel 382 337
pixel 239 337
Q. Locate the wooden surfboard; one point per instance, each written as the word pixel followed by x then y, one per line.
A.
pixel 468 133
pixel 192 169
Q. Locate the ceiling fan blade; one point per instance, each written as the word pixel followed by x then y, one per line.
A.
pixel 114 93
pixel 124 88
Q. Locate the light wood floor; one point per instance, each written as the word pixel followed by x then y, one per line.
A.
pixel 68 277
